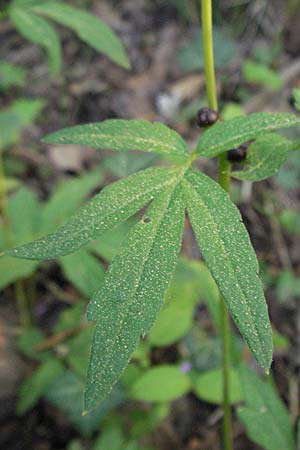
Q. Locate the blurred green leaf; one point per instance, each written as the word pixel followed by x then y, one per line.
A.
pixel 14 119
pixel 66 393
pixel 90 28
pixel 290 220
pixel 40 32
pixel 84 271
pixel 176 317
pixel 208 386
pixel 112 437
pixel 160 384
pixel 192 57
pixel 124 164
pixel 37 384
pixel 11 76
pixel 28 340
pixel 66 198
pixel 259 73
pixel 265 417
pixel 80 351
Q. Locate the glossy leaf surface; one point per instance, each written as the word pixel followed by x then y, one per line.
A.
pixel 130 298
pixel 229 255
pixel 123 135
pixel 230 134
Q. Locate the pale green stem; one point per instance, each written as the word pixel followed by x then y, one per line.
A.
pixel 224 180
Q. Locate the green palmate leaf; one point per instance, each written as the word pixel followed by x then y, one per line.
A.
pixel 89 28
pixel 129 300
pixel 39 31
pixel 115 204
pixel 264 415
pixel 160 384
pixel 265 157
pixel 208 386
pixel 123 135
pixel 228 253
pixel 229 134
pixel 84 271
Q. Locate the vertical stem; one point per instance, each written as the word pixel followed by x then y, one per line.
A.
pixel 224 181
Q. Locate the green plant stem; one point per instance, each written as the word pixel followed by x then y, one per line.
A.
pixel 3 197
pixel 24 312
pixel 224 180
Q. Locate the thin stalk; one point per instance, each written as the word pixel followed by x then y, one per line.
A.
pixel 224 181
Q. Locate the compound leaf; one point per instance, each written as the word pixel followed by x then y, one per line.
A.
pixel 123 135
pixel 115 203
pixel 40 32
pixel 265 157
pixel 229 255
pixel 91 29
pixel 264 415
pixel 229 134
pixel 132 293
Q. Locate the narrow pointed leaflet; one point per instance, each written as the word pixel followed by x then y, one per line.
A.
pixel 124 135
pixel 229 255
pixel 115 204
pixel 230 134
pixel 128 302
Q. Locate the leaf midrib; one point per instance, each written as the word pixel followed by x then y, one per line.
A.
pixel 230 263
pixel 140 140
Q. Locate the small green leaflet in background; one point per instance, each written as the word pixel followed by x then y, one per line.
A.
pixel 160 384
pixel 259 73
pixel 265 417
pixel 265 156
pixel 18 116
pixel 191 57
pixel 39 31
pixel 36 385
pixel 229 255
pixel 128 302
pixel 11 75
pixel 124 135
pixel 230 134
pixel 296 97
pixel 28 17
pixel 176 316
pixel 91 29
pixel 114 205
pixel 208 386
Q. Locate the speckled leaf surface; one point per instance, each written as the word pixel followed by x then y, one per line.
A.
pixel 123 135
pixel 90 28
pixel 265 157
pixel 115 203
pixel 226 135
pixel 264 415
pixel 127 303
pixel 229 255
pixel 40 32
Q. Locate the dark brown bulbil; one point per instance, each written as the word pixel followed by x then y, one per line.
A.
pixel 239 154
pixel 207 117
